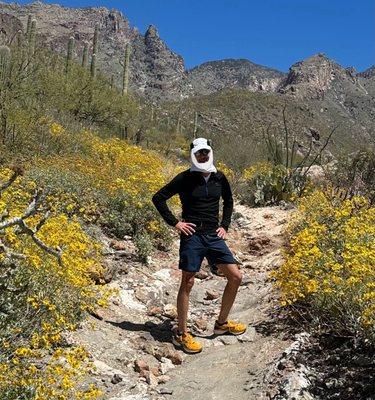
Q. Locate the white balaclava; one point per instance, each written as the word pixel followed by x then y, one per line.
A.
pixel 208 166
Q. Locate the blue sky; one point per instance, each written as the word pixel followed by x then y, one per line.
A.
pixel 275 33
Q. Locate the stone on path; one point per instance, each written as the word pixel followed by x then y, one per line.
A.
pixel 248 336
pixel 211 294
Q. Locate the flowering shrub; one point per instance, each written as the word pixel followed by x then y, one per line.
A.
pixel 330 262
pixel 111 183
pixel 47 267
pixel 267 184
pixel 228 172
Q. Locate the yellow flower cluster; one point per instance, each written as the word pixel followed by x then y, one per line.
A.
pixel 110 166
pixel 330 262
pixel 53 291
pixel 259 168
pixel 58 380
pixel 228 172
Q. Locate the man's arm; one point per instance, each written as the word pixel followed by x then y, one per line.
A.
pixel 160 199
pixel 228 203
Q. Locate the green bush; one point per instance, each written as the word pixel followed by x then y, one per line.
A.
pixel 266 184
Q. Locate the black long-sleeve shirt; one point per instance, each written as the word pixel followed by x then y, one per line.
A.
pixel 199 199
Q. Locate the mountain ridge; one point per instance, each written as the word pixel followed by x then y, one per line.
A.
pixel 157 72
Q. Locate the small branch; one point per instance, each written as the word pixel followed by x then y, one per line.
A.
pixel 4 186
pixel 20 222
pixel 9 253
pixel 321 150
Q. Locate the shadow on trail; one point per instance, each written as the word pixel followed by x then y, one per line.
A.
pixel 160 332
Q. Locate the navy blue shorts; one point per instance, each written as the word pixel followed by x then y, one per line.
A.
pixel 194 248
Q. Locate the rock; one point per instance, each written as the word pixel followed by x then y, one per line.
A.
pixel 175 357
pixel 123 254
pixel 202 274
pixel 155 371
pixel 168 351
pixel 258 245
pixel 149 348
pixel 286 205
pixel 151 379
pixel 117 245
pixel 165 365
pixel 170 311
pixel 249 265
pixel 165 391
pixel 248 336
pixel 101 368
pixel 163 379
pixel 211 295
pixel 201 324
pixel 155 311
pixel 128 300
pixel 141 367
pixel 316 173
pixel 242 222
pixel 116 379
pixel 144 295
pixel 227 340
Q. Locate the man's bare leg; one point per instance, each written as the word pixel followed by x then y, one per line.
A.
pixel 234 277
pixel 187 282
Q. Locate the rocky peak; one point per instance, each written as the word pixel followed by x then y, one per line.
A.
pixel 152 33
pixel 368 73
pixel 155 70
pixel 212 76
pixel 315 75
pixel 316 70
pixel 152 40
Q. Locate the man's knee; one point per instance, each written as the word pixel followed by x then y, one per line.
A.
pixel 187 281
pixel 235 276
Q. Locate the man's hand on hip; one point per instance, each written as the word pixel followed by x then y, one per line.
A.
pixel 185 227
pixel 221 232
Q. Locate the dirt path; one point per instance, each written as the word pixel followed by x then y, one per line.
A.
pixel 130 341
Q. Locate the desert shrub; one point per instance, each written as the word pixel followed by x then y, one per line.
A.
pixel 267 184
pixel 48 265
pixel 111 183
pixel 355 174
pixel 330 263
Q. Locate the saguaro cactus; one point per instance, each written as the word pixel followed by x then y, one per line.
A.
pixel 19 38
pixel 69 55
pixel 94 51
pixel 85 54
pixel 31 39
pixel 178 123
pixel 4 63
pixel 195 126
pixel 28 26
pixel 125 77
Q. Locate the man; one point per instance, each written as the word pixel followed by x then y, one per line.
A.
pixel 200 189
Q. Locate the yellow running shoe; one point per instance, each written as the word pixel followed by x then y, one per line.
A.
pixel 187 342
pixel 231 327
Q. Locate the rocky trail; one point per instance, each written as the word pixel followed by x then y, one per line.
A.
pixel 130 341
